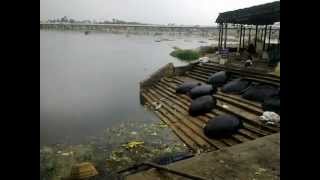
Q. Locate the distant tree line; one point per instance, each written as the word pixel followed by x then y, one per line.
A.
pixel 65 19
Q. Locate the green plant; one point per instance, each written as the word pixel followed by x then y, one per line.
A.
pixel 187 54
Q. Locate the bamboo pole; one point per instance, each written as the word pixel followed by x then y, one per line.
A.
pixel 244 34
pixel 240 37
pixel 269 37
pixel 225 36
pixel 249 36
pixel 265 36
pixel 256 36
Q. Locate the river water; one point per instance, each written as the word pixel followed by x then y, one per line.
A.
pixel 91 82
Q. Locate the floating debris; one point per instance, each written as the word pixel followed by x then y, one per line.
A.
pixel 66 154
pixel 133 144
pixel 83 171
pixel 154 134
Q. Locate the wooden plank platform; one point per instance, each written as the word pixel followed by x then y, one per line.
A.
pixel 174 109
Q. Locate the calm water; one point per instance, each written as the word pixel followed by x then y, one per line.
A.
pixel 89 83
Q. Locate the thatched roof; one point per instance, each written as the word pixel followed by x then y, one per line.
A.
pixel 264 14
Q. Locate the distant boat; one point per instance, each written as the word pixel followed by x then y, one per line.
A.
pixel 165 39
pixel 157 40
pixel 86 32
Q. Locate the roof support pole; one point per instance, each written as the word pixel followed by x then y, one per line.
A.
pixel 261 38
pixel 221 35
pixel 240 37
pixel 249 36
pixel 269 37
pixel 256 36
pixel 265 36
pixel 279 40
pixel 244 34
pixel 225 36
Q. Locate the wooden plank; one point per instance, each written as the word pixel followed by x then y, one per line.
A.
pixel 186 140
pixel 171 97
pixel 191 122
pixel 199 136
pixel 175 107
pixel 204 120
pixel 239 98
pixel 253 109
pixel 187 131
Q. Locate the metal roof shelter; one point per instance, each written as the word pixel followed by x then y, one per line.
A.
pixel 265 14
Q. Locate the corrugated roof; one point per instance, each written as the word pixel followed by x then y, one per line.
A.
pixel 264 14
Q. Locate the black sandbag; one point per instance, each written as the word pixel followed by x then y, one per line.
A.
pixel 236 86
pixel 202 90
pixel 202 105
pixel 222 126
pixel 272 104
pixel 219 78
pixel 186 87
pixel 260 92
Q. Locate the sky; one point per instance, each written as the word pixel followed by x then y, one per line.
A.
pixel 180 12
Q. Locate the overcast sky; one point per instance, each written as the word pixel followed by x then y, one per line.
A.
pixel 186 12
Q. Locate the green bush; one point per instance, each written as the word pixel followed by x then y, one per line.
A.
pixel 187 54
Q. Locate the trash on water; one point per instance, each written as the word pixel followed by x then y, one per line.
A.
pixel 162 125
pixel 67 154
pixel 154 134
pixel 260 170
pixel 133 144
